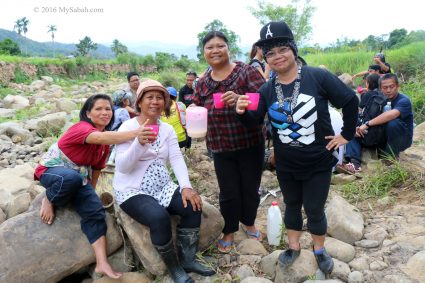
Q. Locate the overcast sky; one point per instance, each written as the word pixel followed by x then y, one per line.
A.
pixel 179 21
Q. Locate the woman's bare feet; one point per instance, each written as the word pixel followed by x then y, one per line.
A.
pixel 106 269
pixel 47 211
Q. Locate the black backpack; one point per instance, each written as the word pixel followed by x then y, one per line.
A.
pixel 373 107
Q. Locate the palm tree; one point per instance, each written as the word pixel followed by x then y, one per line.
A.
pixel 25 23
pixel 18 26
pixel 52 29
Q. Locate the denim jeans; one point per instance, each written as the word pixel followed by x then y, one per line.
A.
pixel 147 211
pixel 397 141
pixel 65 186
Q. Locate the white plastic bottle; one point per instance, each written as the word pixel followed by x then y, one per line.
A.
pixel 274 224
pixel 387 107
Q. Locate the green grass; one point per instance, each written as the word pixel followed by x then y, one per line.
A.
pixel 380 183
pixel 405 61
pixel 26 113
pixel 5 91
pixel 415 89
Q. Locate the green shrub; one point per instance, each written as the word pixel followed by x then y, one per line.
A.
pixel 21 77
pixel 5 91
pixel 170 78
pixel 71 68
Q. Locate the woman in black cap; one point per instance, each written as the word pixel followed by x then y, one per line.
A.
pixel 296 102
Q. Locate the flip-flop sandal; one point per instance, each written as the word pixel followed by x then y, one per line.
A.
pixel 257 234
pixel 224 245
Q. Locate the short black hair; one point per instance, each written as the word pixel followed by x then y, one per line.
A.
pixel 192 73
pixel 389 76
pixel 88 106
pixel 130 74
pixel 212 34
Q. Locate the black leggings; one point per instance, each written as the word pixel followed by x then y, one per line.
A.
pixel 147 211
pixel 239 177
pixel 311 192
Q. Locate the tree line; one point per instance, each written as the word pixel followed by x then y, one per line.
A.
pixel 297 15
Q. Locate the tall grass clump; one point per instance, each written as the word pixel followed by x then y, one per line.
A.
pixel 338 63
pixel 415 89
pixel 381 182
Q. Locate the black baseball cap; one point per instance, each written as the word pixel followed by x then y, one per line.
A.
pixel 273 32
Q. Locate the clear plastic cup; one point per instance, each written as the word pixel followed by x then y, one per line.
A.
pixel 254 97
pixel 217 100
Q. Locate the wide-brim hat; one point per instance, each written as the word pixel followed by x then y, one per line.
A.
pixel 149 85
pixel 275 32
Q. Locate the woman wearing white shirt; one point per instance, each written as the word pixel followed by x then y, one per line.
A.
pixel 145 191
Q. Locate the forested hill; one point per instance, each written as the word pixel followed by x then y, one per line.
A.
pixel 45 49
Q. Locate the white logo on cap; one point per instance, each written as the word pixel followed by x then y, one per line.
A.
pixel 269 32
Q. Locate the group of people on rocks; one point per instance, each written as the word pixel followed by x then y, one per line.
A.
pixel 295 100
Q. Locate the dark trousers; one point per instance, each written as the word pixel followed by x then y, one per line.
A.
pixel 147 211
pixel 311 193
pixel 397 141
pixel 239 177
pixel 64 186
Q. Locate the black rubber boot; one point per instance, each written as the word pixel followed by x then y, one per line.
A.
pixel 324 261
pixel 169 257
pixel 187 245
pixel 287 257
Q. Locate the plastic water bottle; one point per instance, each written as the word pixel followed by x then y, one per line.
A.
pixel 387 107
pixel 274 224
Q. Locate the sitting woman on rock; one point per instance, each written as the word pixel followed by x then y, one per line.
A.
pixel 71 167
pixel 145 191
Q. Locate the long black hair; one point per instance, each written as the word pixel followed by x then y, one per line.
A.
pixel 88 106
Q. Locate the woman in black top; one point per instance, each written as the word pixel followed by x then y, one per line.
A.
pixel 296 102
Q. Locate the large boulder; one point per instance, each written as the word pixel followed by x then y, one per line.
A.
pixel 16 102
pixel 48 125
pixel 15 131
pixel 303 267
pixel 32 252
pixel 65 105
pixel 11 188
pixel 345 222
pixel 212 224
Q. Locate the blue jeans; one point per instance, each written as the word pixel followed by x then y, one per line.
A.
pixel 64 186
pixel 147 211
pixel 397 141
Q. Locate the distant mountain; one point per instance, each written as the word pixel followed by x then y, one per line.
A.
pixel 45 49
pixel 176 49
pixel 146 48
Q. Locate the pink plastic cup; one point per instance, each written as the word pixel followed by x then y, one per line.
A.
pixel 254 98
pixel 155 129
pixel 217 100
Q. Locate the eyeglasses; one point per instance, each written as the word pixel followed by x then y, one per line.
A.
pixel 281 51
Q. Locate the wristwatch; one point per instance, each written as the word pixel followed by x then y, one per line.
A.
pixel 367 124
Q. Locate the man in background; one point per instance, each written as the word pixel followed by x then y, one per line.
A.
pixel 186 92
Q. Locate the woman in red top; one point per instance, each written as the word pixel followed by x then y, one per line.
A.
pixel 238 151
pixel 70 169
